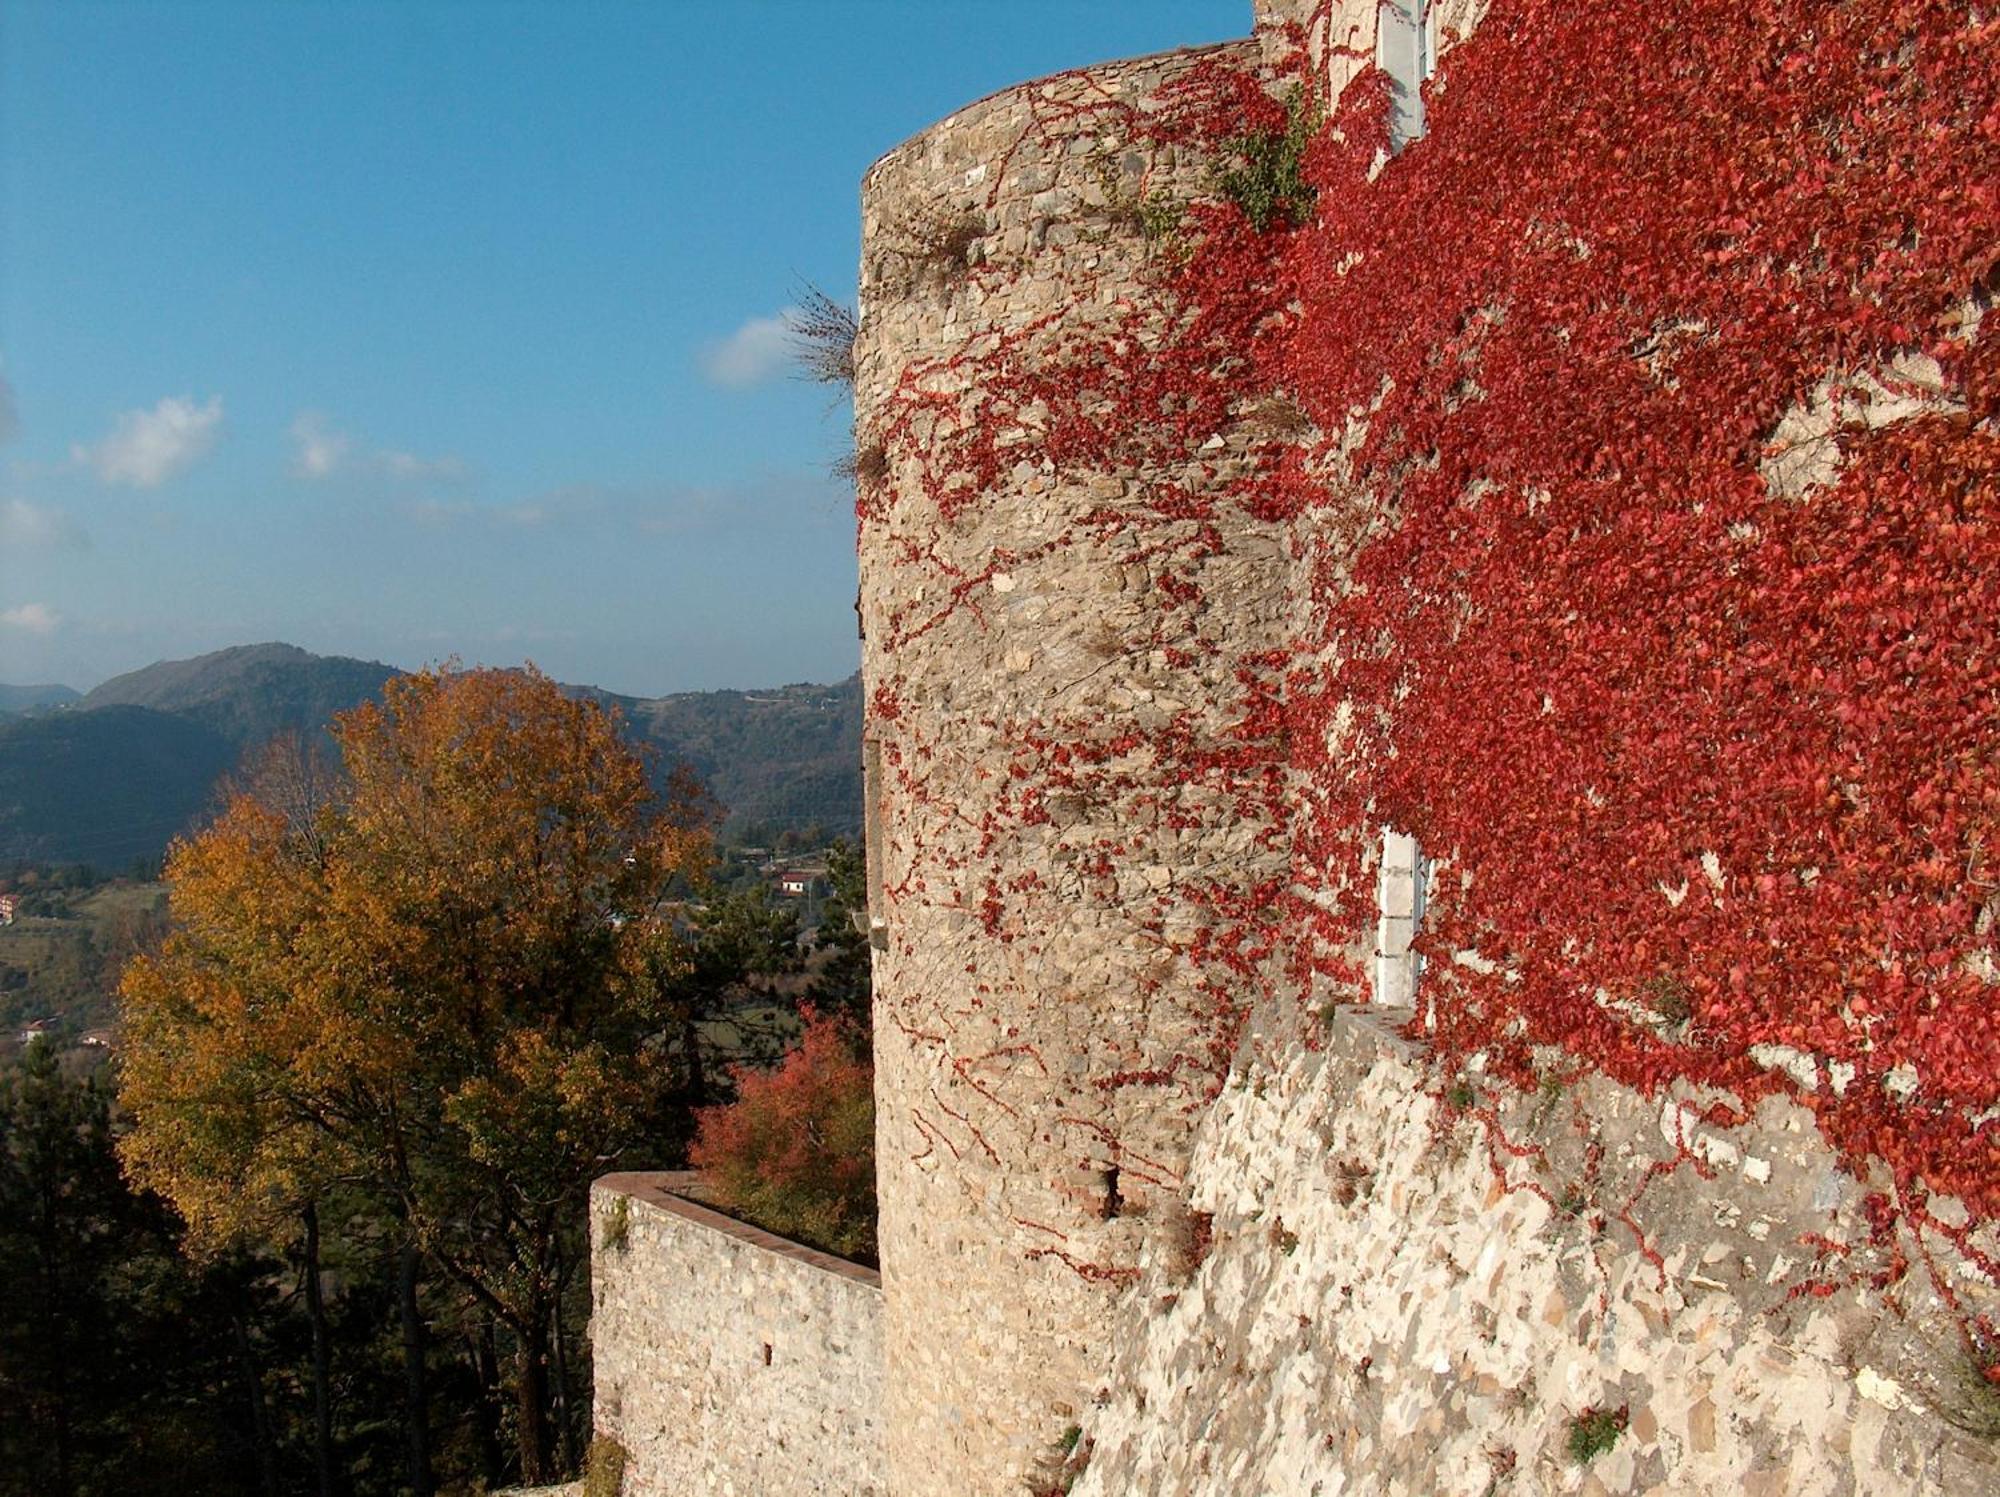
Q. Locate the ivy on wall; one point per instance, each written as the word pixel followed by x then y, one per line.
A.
pixel 1711 757
pixel 1632 604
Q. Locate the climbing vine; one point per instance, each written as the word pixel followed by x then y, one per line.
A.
pixel 1636 429
pixel 1709 755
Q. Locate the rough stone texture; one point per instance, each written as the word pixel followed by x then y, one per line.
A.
pixel 1018 1173
pixel 728 1360
pixel 1389 1306
pixel 1325 1280
pixel 1345 37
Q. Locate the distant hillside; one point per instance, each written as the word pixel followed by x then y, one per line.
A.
pixel 119 773
pixel 251 693
pixel 22 698
pixel 103 787
pixel 787 757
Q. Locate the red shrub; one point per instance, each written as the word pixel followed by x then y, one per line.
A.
pixel 795 1152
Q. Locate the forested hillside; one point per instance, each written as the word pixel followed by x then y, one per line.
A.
pixel 29 698
pixel 790 757
pixel 105 787
pixel 110 779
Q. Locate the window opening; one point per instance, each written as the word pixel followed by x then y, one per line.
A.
pixel 871 842
pixel 1402 878
pixel 1406 50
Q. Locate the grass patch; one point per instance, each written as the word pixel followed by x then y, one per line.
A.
pixel 604 1468
pixel 1595 1431
pixel 618 1226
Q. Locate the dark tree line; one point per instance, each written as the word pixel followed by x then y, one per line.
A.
pixel 126 1367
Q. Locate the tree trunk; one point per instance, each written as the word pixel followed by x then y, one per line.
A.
pixel 697 1073
pixel 322 1379
pixel 486 1374
pixel 260 1413
pixel 53 1313
pixel 531 1397
pixel 565 1412
pixel 416 1396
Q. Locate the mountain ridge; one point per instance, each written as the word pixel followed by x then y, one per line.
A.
pixel 33 698
pixel 110 777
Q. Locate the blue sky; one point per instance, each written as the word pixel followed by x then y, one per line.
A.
pixel 424 329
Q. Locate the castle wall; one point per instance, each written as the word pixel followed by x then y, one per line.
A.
pixel 1396 1300
pixel 1259 1266
pixel 1043 1040
pixel 728 1360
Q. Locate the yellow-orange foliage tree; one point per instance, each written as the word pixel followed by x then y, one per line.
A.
pixel 436 977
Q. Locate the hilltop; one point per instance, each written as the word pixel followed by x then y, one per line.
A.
pixel 116 774
pixel 32 698
pixel 249 693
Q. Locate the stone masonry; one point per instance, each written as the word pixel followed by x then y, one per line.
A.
pixel 1032 1034
pixel 729 1361
pixel 1396 1302
pixel 1122 1250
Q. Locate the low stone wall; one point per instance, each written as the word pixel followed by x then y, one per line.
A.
pixel 1379 1293
pixel 728 1360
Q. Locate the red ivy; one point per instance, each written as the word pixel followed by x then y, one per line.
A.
pixel 1710 766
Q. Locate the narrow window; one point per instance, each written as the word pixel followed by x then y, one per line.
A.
pixel 1400 892
pixel 871 842
pixel 1406 51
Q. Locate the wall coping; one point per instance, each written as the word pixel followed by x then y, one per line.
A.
pixel 1109 64
pixel 671 1191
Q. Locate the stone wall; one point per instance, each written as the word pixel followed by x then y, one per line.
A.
pixel 1264 1267
pixel 727 1360
pixel 1403 1298
pixel 1043 1041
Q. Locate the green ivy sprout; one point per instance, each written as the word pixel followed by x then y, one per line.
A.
pixel 1595 1431
pixel 1266 176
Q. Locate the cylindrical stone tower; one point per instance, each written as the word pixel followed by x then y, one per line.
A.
pixel 1075 782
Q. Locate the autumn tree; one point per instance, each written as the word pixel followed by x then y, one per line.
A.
pixel 795 1152
pixel 440 983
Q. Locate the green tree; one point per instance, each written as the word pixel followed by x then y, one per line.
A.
pixel 844 984
pixel 120 1369
pixel 738 944
pixel 63 1204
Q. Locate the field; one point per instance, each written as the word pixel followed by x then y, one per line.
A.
pixel 61 962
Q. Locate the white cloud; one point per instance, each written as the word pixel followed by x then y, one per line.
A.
pixel 320 448
pixel 24 524
pixel 323 451
pixel 616 512
pixel 409 466
pixel 147 448
pixel 439 512
pixel 757 351
pixel 32 618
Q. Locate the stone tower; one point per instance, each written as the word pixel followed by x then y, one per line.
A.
pixel 1066 808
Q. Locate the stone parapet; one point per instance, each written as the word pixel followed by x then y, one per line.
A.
pixel 729 1360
